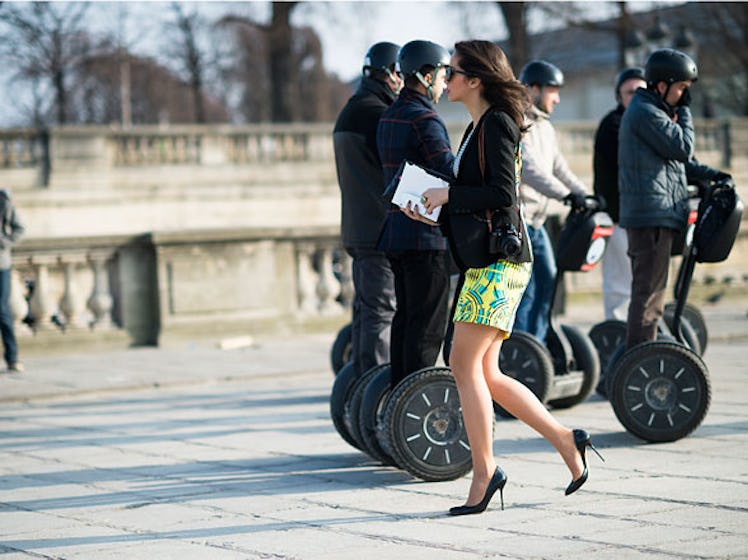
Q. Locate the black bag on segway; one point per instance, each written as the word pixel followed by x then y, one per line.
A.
pixel 582 240
pixel 718 224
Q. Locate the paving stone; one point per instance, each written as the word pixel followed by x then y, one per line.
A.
pixel 204 467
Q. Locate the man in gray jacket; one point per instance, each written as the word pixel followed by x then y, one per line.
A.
pixel 655 156
pixel 545 176
pixel 363 210
pixel 10 231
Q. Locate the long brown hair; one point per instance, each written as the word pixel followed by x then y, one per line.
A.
pixel 486 60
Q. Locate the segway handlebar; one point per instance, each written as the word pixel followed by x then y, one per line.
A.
pixel 586 203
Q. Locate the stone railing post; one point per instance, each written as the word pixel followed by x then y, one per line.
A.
pixel 305 278
pixel 41 303
pixel 347 291
pixel 100 303
pixel 326 282
pixel 19 307
pixel 71 305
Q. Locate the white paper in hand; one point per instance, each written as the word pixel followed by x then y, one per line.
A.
pixel 414 181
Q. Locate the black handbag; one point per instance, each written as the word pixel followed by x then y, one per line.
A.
pixel 470 238
pixel 479 239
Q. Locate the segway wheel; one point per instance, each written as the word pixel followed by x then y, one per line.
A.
pixel 353 405
pixel 524 358
pixel 695 318
pixel 340 354
pixel 607 337
pixel 370 413
pixel 587 362
pixel 423 426
pixel 605 386
pixel 341 392
pixel 660 391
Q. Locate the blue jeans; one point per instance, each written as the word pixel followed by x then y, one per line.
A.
pixel 6 319
pixel 534 310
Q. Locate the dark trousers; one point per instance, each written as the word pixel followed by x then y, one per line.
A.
pixel 649 251
pixel 422 291
pixel 373 309
pixel 6 319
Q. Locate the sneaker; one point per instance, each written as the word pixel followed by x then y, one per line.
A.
pixel 16 367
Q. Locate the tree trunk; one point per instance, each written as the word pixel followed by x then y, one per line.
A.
pixel 60 95
pixel 515 16
pixel 284 73
pixel 197 93
pixel 622 32
pixel 196 81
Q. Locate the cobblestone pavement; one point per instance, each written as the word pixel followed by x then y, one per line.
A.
pixel 195 452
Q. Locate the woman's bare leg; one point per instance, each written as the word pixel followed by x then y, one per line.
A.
pixel 517 399
pixel 470 344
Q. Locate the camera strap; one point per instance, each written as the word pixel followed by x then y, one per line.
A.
pixel 482 165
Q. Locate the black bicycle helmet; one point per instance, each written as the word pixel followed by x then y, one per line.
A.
pixel 381 56
pixel 628 74
pixel 669 65
pixel 541 73
pixel 634 72
pixel 416 54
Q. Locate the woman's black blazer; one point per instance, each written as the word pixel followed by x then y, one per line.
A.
pixel 496 190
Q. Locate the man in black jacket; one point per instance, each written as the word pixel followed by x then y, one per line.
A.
pixel 412 130
pixel 616 264
pixel 363 208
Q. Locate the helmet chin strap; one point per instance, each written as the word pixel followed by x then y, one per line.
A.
pixel 663 96
pixel 396 85
pixel 537 99
pixel 429 87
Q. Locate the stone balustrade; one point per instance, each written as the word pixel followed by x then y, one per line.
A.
pixel 159 286
pixel 207 145
pixel 20 148
pixel 152 232
pixel 196 145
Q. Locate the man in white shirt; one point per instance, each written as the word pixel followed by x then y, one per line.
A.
pixel 545 175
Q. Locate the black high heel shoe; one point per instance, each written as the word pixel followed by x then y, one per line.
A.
pixel 497 482
pixel 582 441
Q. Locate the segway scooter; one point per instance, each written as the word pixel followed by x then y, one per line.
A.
pixel 609 336
pixel 660 391
pixel 564 371
pixel 422 432
pixel 417 426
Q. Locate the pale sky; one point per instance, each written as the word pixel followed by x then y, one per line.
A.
pixel 345 44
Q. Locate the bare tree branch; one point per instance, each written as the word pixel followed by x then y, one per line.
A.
pixel 46 40
pixel 190 55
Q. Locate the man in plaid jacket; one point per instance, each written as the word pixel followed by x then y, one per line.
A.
pixel 410 129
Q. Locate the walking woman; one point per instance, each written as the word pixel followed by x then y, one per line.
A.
pixel 487 169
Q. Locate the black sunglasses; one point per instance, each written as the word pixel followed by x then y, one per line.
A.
pixel 451 71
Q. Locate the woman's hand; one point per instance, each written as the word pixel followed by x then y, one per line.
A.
pixel 413 213
pixel 433 198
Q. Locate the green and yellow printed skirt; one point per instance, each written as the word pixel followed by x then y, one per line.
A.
pixel 490 296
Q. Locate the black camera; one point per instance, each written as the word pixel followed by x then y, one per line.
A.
pixel 505 240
